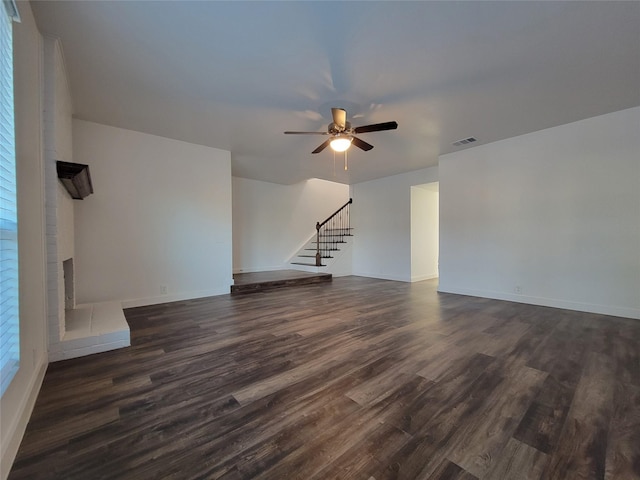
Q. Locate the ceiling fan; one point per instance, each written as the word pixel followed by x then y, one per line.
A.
pixel 343 134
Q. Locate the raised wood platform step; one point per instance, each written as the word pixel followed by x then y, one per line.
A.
pixel 262 281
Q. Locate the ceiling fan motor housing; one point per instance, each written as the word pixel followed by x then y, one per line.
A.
pixel 335 129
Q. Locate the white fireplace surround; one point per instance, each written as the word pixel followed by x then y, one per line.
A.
pixel 74 330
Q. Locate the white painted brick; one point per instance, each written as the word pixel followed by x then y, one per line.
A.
pixel 79 343
pixel 55 355
pixel 80 352
pixel 52 277
pixel 114 337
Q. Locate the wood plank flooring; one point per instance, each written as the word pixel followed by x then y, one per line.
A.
pixel 353 379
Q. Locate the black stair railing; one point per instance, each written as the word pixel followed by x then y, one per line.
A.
pixel 332 231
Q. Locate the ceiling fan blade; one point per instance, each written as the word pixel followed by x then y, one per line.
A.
pixel 339 117
pixel 322 147
pixel 306 133
pixel 376 127
pixel 361 144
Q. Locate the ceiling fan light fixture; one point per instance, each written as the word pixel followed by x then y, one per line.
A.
pixel 342 135
pixel 341 144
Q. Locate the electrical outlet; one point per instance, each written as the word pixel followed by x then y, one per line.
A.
pixel 518 289
pixel 163 290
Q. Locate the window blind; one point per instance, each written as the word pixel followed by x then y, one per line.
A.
pixel 9 315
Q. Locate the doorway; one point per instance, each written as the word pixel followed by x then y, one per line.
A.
pixel 424 231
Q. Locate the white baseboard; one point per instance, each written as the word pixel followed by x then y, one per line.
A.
pixel 20 421
pixel 381 276
pixel 546 302
pixel 259 269
pixel 143 302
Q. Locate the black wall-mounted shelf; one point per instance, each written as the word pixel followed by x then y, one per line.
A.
pixel 76 179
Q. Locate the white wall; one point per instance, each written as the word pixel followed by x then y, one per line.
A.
pixel 271 221
pixel 424 232
pixel 17 402
pixel 160 216
pixel 381 217
pixel 549 218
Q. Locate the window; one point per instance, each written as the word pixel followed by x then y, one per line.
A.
pixel 9 317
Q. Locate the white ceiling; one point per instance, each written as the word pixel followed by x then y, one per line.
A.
pixel 235 75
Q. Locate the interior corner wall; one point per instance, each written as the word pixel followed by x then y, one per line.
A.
pixel 158 226
pixel 381 218
pixel 549 218
pixel 271 222
pixel 18 400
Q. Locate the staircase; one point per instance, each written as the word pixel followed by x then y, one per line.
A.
pixel 330 243
pixel 326 254
pixel 331 237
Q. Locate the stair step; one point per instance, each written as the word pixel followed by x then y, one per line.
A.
pixel 326 242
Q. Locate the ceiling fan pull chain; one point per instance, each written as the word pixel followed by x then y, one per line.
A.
pixel 334 163
pixel 346 162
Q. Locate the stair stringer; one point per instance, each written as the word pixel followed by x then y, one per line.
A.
pixel 339 266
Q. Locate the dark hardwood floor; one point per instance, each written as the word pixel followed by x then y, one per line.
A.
pixel 357 378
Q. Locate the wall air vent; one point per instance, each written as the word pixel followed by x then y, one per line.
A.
pixel 464 141
pixel 76 179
